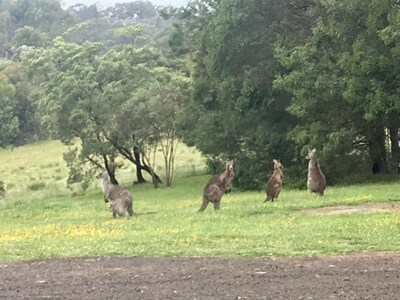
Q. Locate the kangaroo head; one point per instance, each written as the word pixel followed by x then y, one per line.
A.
pixel 103 175
pixel 277 164
pixel 229 165
pixel 311 154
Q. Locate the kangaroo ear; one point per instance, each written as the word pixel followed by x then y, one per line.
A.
pixel 274 161
pixel 314 150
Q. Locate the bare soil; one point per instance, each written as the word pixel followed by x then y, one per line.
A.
pixel 355 276
pixel 361 208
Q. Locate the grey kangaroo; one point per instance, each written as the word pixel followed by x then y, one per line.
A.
pixel 316 182
pixel 217 186
pixel 118 198
pixel 274 184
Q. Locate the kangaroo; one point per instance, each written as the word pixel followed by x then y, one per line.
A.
pixel 217 186
pixel 316 182
pixel 119 198
pixel 274 184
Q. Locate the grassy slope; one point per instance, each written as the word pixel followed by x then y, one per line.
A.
pixel 59 226
pixel 39 171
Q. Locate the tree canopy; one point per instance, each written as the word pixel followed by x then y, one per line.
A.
pixel 252 80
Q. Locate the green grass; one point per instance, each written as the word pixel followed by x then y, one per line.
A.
pixel 47 224
pixel 245 226
pixel 38 171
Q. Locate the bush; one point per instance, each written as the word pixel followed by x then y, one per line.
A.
pixel 300 184
pixel 2 189
pixel 214 165
pixel 37 186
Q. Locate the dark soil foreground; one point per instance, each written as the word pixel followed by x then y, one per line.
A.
pixel 356 276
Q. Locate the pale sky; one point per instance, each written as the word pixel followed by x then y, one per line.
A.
pixel 106 3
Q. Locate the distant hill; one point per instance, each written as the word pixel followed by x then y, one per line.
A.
pixel 107 3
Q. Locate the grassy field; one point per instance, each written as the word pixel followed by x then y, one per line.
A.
pixel 60 225
pixel 39 171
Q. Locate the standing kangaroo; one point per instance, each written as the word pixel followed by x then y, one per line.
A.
pixel 316 182
pixel 119 198
pixel 274 184
pixel 217 186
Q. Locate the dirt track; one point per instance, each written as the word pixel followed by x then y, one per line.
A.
pixel 359 276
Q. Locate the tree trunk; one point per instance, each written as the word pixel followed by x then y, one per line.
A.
pixel 156 178
pixel 142 166
pixel 395 149
pixel 139 167
pixel 377 150
pixel 110 171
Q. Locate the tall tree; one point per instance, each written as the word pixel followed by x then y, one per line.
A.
pixel 29 129
pixel 80 91
pixel 9 122
pixel 235 111
pixel 157 104
pixel 344 84
pixel 7 25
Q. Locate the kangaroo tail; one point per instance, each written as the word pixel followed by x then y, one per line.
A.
pixel 145 213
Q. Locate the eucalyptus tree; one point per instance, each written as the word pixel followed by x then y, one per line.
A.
pixel 43 15
pixel 80 90
pixel 132 10
pixel 158 105
pixel 32 23
pixel 7 26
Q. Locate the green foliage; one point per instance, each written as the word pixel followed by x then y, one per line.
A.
pixel 344 85
pixel 27 24
pixel 134 23
pixel 28 36
pixel 37 186
pixel 9 122
pixel 235 111
pixel 177 41
pixel 2 189
pixel 29 129
pixel 157 104
pixel 133 10
pixel 30 23
pixel 80 174
pixel 214 165
pixel 82 94
pixel 132 35
pixel 268 80
pixel 300 184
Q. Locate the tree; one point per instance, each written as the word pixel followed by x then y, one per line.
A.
pixel 344 86
pixel 157 105
pixel 43 15
pixel 79 92
pixel 7 25
pixel 132 35
pixel 29 129
pixel 32 23
pixel 132 10
pixel 235 111
pixel 84 13
pixel 9 122
pixel 28 36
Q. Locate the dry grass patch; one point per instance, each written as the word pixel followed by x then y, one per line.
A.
pixel 345 210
